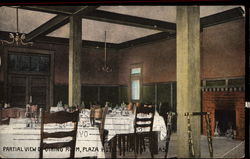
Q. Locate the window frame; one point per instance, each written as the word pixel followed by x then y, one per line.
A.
pixel 18 50
pixel 29 54
pixel 137 76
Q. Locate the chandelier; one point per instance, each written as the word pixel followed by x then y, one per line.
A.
pixel 105 68
pixel 17 38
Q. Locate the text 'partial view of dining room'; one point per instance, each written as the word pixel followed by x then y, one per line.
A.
pixel 122 81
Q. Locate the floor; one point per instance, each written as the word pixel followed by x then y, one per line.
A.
pixel 223 148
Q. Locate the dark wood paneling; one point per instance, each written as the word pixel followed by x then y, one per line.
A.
pixel 1 92
pixel 123 94
pixel 109 94
pixel 174 95
pixel 164 97
pixel 61 94
pixel 215 83
pixel 236 82
pixel 148 93
pixel 89 94
pixel 166 94
pixel 174 103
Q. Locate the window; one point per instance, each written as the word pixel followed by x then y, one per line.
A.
pixel 135 71
pixel 28 63
pixel 135 79
pixel 135 86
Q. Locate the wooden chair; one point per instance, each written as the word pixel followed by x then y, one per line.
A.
pixel 144 119
pixel 3 120
pixel 60 118
pixel 95 113
pixel 103 132
pixel 98 117
pixel 169 123
pixel 32 111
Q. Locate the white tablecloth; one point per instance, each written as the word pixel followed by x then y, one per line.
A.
pixel 118 124
pixel 19 141
pixel 121 124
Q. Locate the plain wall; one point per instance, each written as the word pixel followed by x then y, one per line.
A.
pixel 222 55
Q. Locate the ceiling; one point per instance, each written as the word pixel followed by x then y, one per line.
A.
pixel 93 30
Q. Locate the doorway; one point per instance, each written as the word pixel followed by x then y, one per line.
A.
pixel 29 77
pixel 23 89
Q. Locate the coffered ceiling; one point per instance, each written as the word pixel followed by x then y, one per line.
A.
pixel 122 23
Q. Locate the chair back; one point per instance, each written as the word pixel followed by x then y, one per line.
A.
pixel 144 117
pixel 96 112
pixel 104 113
pixel 59 118
pixel 98 117
pixel 103 134
pixel 33 111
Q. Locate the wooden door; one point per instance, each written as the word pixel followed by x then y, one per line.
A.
pixel 39 90
pixel 23 89
pixel 17 90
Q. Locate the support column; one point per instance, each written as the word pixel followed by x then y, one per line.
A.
pixel 75 47
pixel 188 77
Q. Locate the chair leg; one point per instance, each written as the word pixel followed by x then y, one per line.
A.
pixel 131 142
pixel 139 145
pixel 123 145
pixel 119 145
pixel 127 141
pixel 113 147
pixel 151 144
pixel 143 143
pixel 135 145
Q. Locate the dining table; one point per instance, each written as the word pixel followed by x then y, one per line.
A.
pixel 119 124
pixel 124 124
pixel 21 138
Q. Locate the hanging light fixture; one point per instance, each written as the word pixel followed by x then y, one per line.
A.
pixel 105 68
pixel 17 38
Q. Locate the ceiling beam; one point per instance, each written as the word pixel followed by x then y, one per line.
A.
pixel 48 27
pixel 219 18
pixel 61 10
pixel 222 17
pixel 65 41
pixel 147 23
pixel 85 10
pixel 147 39
pixel 131 20
pixel 56 23
pixel 47 9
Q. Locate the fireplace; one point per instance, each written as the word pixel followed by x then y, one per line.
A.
pixel 226 120
pixel 226 107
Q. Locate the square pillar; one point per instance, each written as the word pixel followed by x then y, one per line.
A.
pixel 188 77
pixel 75 48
